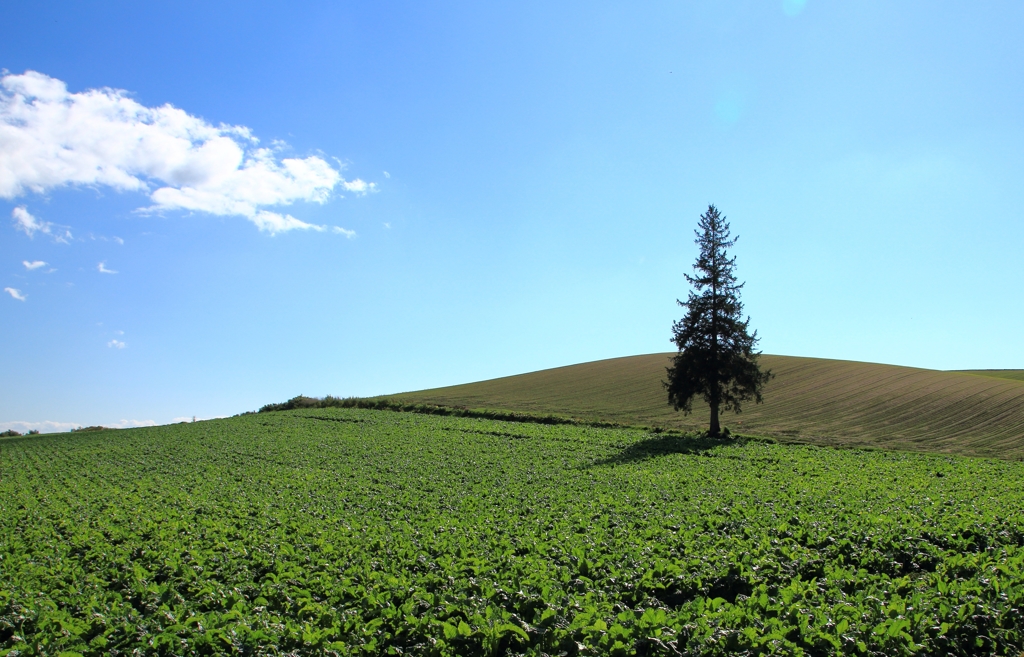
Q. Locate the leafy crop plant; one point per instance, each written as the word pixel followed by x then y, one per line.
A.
pixel 360 532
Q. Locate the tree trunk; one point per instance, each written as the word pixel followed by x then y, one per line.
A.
pixel 715 429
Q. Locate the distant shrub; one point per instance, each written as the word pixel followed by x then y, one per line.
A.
pixel 93 428
pixel 329 401
pixel 33 432
pixel 10 433
pixel 302 401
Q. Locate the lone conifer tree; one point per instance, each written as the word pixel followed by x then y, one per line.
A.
pixel 716 358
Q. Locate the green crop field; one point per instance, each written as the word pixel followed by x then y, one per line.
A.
pixel 814 400
pixel 359 532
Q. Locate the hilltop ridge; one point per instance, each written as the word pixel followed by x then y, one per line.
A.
pixel 813 400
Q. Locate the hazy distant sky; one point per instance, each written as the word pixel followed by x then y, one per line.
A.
pixel 205 207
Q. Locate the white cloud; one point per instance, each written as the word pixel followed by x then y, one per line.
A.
pixel 359 186
pixel 15 293
pixel 273 222
pixel 30 225
pixel 52 138
pixel 119 332
pixel 47 426
pixel 102 268
pixel 119 241
pixel 387 175
pixel 24 221
pixel 35 264
pixel 128 424
pixel 342 231
pixel 116 344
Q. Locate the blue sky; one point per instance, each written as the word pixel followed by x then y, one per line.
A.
pixel 235 203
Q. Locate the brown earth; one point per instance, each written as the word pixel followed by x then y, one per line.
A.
pixel 813 400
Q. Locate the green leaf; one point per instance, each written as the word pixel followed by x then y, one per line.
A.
pixel 505 628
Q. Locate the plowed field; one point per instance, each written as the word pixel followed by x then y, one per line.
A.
pixel 811 400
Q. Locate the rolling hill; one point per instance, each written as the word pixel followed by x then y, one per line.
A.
pixel 813 400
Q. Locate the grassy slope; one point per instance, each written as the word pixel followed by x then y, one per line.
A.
pixel 811 399
pixel 1013 375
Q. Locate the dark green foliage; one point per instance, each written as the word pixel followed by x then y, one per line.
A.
pixel 333 531
pixel 717 360
pixel 11 433
pixel 92 428
pixel 384 404
pixel 302 401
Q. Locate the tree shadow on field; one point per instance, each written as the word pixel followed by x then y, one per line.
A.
pixel 664 444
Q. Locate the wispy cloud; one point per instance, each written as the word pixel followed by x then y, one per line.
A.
pixel 35 264
pixel 52 138
pixel 46 426
pixel 342 231
pixel 23 219
pixel 50 426
pixel 129 424
pixel 358 186
pixel 116 344
pixel 273 222
pixel 102 268
pixel 15 293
